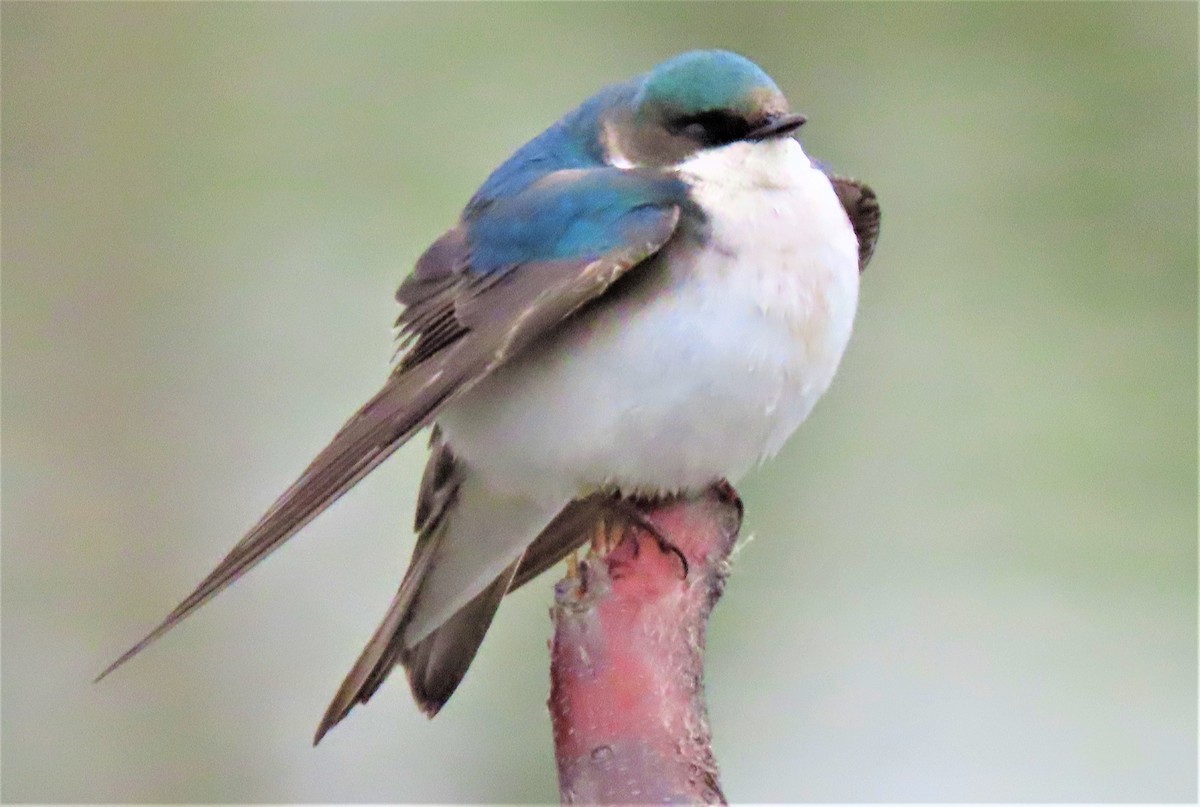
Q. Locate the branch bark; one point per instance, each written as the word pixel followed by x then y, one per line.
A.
pixel 627 659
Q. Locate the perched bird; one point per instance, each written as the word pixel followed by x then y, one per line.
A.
pixel 648 297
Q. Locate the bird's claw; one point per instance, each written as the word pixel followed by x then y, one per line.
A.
pixel 629 513
pixel 573 564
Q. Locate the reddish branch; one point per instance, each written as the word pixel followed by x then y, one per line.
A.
pixel 627 692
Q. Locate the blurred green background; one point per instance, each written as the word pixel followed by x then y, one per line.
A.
pixel 974 573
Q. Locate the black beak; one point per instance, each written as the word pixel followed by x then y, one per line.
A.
pixel 777 126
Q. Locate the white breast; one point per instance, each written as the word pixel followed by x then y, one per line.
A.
pixel 695 378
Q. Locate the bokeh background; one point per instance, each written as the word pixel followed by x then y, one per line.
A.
pixel 974 570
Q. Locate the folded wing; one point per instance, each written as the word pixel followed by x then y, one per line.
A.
pixel 504 278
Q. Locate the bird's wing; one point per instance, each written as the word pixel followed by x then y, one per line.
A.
pixel 862 208
pixel 502 279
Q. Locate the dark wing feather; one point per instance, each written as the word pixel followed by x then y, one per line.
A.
pixel 862 207
pixel 429 323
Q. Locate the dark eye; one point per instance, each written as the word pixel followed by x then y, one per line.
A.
pixel 712 128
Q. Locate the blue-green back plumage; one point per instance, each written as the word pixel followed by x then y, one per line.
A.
pixel 577 217
pixel 691 83
pixel 571 142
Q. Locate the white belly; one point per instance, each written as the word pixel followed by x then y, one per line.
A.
pixel 694 378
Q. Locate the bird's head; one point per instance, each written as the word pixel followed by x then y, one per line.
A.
pixel 696 101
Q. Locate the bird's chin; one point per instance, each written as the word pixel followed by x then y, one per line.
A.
pixel 748 165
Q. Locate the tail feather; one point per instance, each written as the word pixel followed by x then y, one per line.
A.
pixel 373 665
pixel 439 490
pixel 484 532
pixel 471 542
pixel 436 664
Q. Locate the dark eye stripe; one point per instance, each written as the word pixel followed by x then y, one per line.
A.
pixel 712 128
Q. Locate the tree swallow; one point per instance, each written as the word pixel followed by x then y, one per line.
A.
pixel 646 298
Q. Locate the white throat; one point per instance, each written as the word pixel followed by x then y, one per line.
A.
pixel 749 166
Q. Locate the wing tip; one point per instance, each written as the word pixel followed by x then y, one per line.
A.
pixel 104 673
pixel 326 724
pixel 149 639
pixel 347 698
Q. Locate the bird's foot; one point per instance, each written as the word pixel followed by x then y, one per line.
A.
pixel 604 537
pixel 609 533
